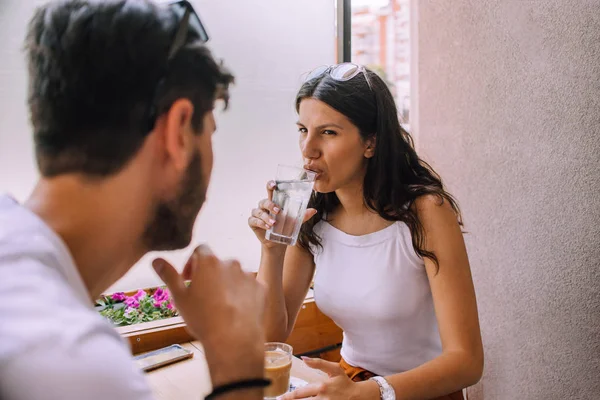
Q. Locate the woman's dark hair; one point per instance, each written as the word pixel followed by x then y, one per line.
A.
pixel 395 176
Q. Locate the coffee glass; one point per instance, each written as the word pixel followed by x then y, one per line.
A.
pixel 278 367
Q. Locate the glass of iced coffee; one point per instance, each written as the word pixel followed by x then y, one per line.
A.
pixel 278 365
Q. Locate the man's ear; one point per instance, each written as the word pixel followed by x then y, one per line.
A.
pixel 178 140
pixel 370 149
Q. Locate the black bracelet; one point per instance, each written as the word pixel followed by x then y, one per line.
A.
pixel 250 383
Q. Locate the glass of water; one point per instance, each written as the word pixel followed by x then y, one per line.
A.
pixel 291 194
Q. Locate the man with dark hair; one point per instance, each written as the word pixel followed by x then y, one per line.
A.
pixel 121 97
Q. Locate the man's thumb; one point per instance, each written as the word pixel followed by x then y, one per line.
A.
pixel 169 275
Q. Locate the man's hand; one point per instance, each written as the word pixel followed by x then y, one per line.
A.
pixel 223 308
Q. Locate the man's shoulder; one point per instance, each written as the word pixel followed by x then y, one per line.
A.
pixel 15 220
pixel 27 244
pixel 38 307
pixel 42 297
pixel 53 344
pixel 38 302
pixel 88 363
pixel 50 337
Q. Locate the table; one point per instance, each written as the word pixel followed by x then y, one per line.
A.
pixel 190 379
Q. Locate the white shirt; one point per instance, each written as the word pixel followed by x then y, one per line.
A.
pixel 53 344
pixel 376 289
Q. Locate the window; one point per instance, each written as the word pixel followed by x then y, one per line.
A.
pixel 269 45
pixel 380 38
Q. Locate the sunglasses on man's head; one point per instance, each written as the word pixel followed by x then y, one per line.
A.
pixel 340 72
pixel 188 19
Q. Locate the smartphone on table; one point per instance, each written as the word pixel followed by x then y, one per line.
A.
pixel 162 357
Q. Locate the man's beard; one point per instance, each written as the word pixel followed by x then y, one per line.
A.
pixel 172 224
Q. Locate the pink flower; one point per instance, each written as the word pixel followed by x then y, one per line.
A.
pixel 118 296
pixel 170 306
pixel 140 294
pixel 161 295
pixel 157 304
pixel 132 302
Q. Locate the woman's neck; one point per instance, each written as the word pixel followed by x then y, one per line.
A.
pixel 353 217
pixel 352 201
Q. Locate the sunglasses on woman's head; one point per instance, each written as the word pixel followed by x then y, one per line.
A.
pixel 340 72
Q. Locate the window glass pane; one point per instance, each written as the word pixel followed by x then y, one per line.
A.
pixel 381 41
pixel 269 45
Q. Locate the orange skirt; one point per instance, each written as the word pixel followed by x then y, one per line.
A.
pixel 358 374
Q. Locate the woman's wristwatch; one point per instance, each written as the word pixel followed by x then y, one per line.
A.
pixel 385 389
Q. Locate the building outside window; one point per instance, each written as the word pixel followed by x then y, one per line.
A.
pixel 381 41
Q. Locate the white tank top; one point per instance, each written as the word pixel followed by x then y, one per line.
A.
pixel 376 289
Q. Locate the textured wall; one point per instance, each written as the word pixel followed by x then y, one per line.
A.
pixel 509 114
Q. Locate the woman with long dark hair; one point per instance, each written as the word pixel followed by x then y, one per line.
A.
pixel 382 241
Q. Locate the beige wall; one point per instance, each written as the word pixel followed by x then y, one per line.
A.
pixel 509 114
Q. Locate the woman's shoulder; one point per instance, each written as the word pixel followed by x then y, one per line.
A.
pixel 435 211
pixel 433 205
